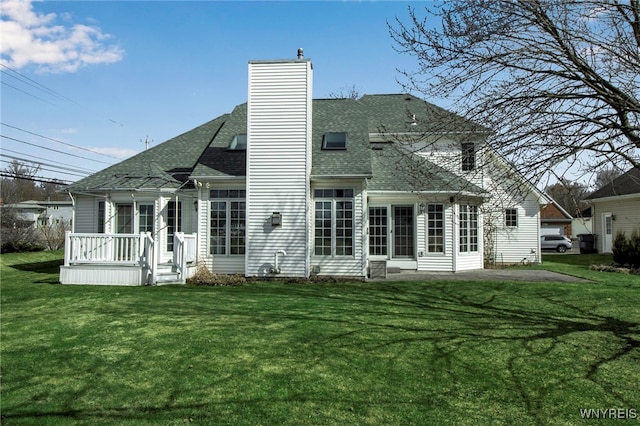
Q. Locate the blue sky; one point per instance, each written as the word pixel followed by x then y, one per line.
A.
pixel 101 76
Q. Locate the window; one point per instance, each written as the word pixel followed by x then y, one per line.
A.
pixel 378 231
pixel 468 228
pixel 333 222
pixel 174 221
pixel 145 223
pixel 228 222
pixel 101 217
pixel 435 228
pixel 238 143
pixel 468 157
pixel 334 141
pixel 124 218
pixel 511 218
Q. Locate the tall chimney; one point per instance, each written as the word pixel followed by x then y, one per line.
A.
pixel 279 113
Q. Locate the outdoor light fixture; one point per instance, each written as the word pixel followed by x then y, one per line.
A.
pixel 276 219
pixel 423 208
pixel 195 205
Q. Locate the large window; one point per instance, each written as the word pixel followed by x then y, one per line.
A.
pixel 435 228
pixel 174 221
pixel 468 228
pixel 124 218
pixel 468 156
pixel 333 222
pixel 228 222
pixel 378 226
pixel 511 218
pixel 145 223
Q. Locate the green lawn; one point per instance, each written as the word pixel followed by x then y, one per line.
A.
pixel 378 353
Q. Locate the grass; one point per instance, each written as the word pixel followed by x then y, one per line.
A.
pixel 433 352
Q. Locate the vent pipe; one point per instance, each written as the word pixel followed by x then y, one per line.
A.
pixel 300 53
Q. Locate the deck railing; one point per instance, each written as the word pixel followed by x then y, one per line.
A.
pixel 104 248
pixel 128 250
pixel 184 251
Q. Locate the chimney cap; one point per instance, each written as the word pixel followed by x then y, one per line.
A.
pixel 300 53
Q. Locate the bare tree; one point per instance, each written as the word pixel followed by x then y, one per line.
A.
pixel 18 183
pixel 350 92
pixel 53 234
pixel 555 80
pixel 606 176
pixel 569 194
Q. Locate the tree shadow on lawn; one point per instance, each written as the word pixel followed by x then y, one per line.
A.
pixel 545 332
pixel 529 334
pixel 50 267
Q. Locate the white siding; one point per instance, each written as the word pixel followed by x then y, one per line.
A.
pixel 626 210
pixel 513 245
pixel 86 217
pixel 278 166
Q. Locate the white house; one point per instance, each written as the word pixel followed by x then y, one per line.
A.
pixel 288 185
pixel 35 214
pixel 616 208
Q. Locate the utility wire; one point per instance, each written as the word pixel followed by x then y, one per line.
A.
pixel 45 169
pixel 36 179
pixel 46 159
pixel 59 168
pixel 60 142
pixel 54 150
pixel 27 93
pixel 30 82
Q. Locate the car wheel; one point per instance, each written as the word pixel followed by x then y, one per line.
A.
pixel 562 249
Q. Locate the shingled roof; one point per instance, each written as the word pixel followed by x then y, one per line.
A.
pixel 203 152
pixel 165 166
pixel 626 184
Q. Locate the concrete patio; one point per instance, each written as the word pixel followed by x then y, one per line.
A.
pixel 530 275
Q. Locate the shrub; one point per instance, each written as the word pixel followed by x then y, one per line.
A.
pixel 203 276
pixel 626 251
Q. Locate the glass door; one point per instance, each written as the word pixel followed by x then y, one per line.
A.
pixel 403 232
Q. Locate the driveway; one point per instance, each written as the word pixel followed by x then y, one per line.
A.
pixel 531 275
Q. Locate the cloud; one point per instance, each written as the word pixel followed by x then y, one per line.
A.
pixel 116 152
pixel 30 38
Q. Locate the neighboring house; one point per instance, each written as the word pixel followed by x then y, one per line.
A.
pixel 582 224
pixel 35 214
pixel 554 220
pixel 286 185
pixel 616 208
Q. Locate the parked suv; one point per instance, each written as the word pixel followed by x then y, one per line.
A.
pixel 560 243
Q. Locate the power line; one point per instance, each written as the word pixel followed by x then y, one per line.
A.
pixel 54 150
pixel 75 171
pixel 36 179
pixel 46 159
pixel 27 93
pixel 30 82
pixel 45 169
pixel 57 141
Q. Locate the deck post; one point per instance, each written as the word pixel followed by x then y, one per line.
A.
pixel 67 248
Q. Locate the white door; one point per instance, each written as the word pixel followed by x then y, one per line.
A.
pixel 607 232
